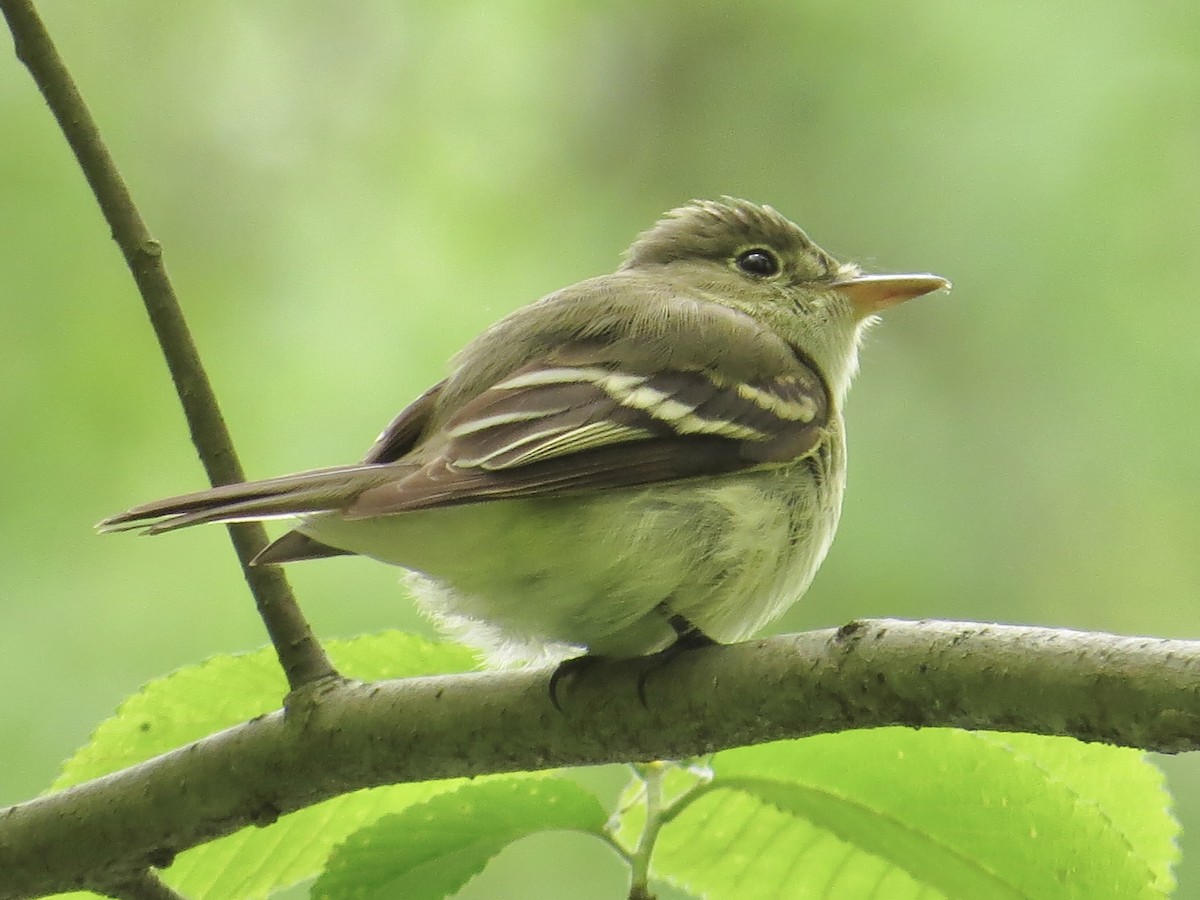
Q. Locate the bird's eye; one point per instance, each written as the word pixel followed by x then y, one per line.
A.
pixel 759 262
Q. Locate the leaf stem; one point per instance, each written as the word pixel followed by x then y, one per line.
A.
pixel 652 775
pixel 659 811
pixel 145 885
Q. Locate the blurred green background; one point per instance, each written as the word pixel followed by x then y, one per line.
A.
pixel 346 193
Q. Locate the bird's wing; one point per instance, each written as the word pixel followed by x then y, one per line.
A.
pixel 404 431
pixel 581 417
pixel 575 421
pixel 319 490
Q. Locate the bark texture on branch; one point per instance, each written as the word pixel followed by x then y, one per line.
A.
pixel 342 736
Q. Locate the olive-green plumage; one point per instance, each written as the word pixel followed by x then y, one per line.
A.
pixel 643 454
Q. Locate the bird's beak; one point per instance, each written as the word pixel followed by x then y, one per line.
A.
pixel 870 294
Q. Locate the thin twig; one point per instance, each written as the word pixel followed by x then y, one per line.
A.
pixel 301 656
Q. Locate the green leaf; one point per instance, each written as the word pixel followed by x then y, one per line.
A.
pixel 729 844
pixel 941 812
pixel 223 691
pixel 255 861
pixel 432 850
pixel 1129 789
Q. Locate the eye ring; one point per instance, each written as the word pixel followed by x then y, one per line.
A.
pixel 758 262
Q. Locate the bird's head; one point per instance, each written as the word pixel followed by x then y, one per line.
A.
pixel 751 258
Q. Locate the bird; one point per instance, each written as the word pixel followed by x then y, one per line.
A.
pixel 645 461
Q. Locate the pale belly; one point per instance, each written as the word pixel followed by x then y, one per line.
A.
pixel 605 571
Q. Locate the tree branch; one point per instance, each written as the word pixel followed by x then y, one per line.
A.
pixel 1135 692
pixel 301 656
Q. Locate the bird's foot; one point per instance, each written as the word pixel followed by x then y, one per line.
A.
pixel 687 637
pixel 569 668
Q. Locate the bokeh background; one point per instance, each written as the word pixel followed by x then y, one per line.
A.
pixel 346 193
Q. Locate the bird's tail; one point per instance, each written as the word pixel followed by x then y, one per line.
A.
pixel 320 490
